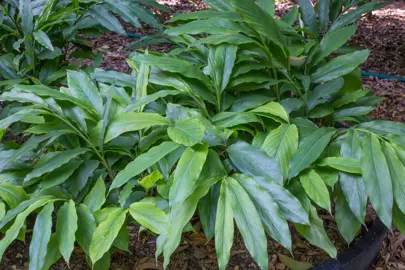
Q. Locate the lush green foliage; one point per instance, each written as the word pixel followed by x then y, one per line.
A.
pixel 37 36
pixel 239 125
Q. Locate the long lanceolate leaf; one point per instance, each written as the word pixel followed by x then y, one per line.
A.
pixel 40 237
pixel 248 222
pixel 66 226
pixel 352 185
pixel 143 162
pixel 187 172
pixel 224 228
pixel 377 179
pixel 273 221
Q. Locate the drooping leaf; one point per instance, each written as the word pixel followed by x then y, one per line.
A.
pixel 397 172
pixel 316 189
pixel 132 121
pixel 143 162
pixel 324 90
pixel 267 5
pixel 399 218
pixel 377 179
pixel 290 206
pixel 150 217
pixel 105 234
pixel 40 237
pixel 309 150
pixel 52 254
pixel 187 131
pixel 96 197
pixel 106 19
pixel 253 161
pixel 315 233
pixel 87 227
pixel 224 228
pixel 66 226
pixel 207 209
pixel 187 172
pixel 273 221
pixel 248 222
pixel 347 222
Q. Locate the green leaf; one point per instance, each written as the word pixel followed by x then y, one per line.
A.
pixel 132 121
pixel 349 98
pixel 253 161
pixel 323 14
pixel 308 16
pixel 344 164
pixel 52 254
pixel 87 227
pixel 81 87
pixel 224 228
pixel 309 150
pixel 267 5
pixel 352 16
pixel 315 233
pixel 339 66
pixel 377 180
pixel 259 20
pixel 142 82
pixel 208 26
pixel 347 222
pixel 291 16
pixel 125 12
pixel 220 5
pixel 274 111
pixel 150 98
pixel 225 38
pixel 40 237
pixel 27 16
pixel 281 144
pixel 290 206
pixel 248 222
pixel 272 220
pixel 187 172
pixel 332 41
pixel 52 161
pixel 143 162
pixel 320 94
pixel 316 189
pixel 2 210
pixel 60 175
pixel 148 181
pixel 181 213
pixel 290 262
pixel 12 195
pixel 150 217
pixel 207 209
pixel 106 19
pixel 81 176
pixel 105 234
pixel 13 231
pixel 187 131
pixel 43 39
pixel 173 65
pixel 399 218
pixel 231 119
pixel 96 197
pixel 397 172
pixel 66 227
pixel 221 61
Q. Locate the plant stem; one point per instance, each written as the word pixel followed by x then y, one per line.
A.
pixel 100 156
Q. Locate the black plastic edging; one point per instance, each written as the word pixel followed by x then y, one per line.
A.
pixel 361 254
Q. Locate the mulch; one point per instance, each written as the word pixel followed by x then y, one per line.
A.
pixel 383 34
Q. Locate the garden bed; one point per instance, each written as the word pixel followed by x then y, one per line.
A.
pixel 194 253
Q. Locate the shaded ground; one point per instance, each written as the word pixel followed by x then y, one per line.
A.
pixel 383 34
